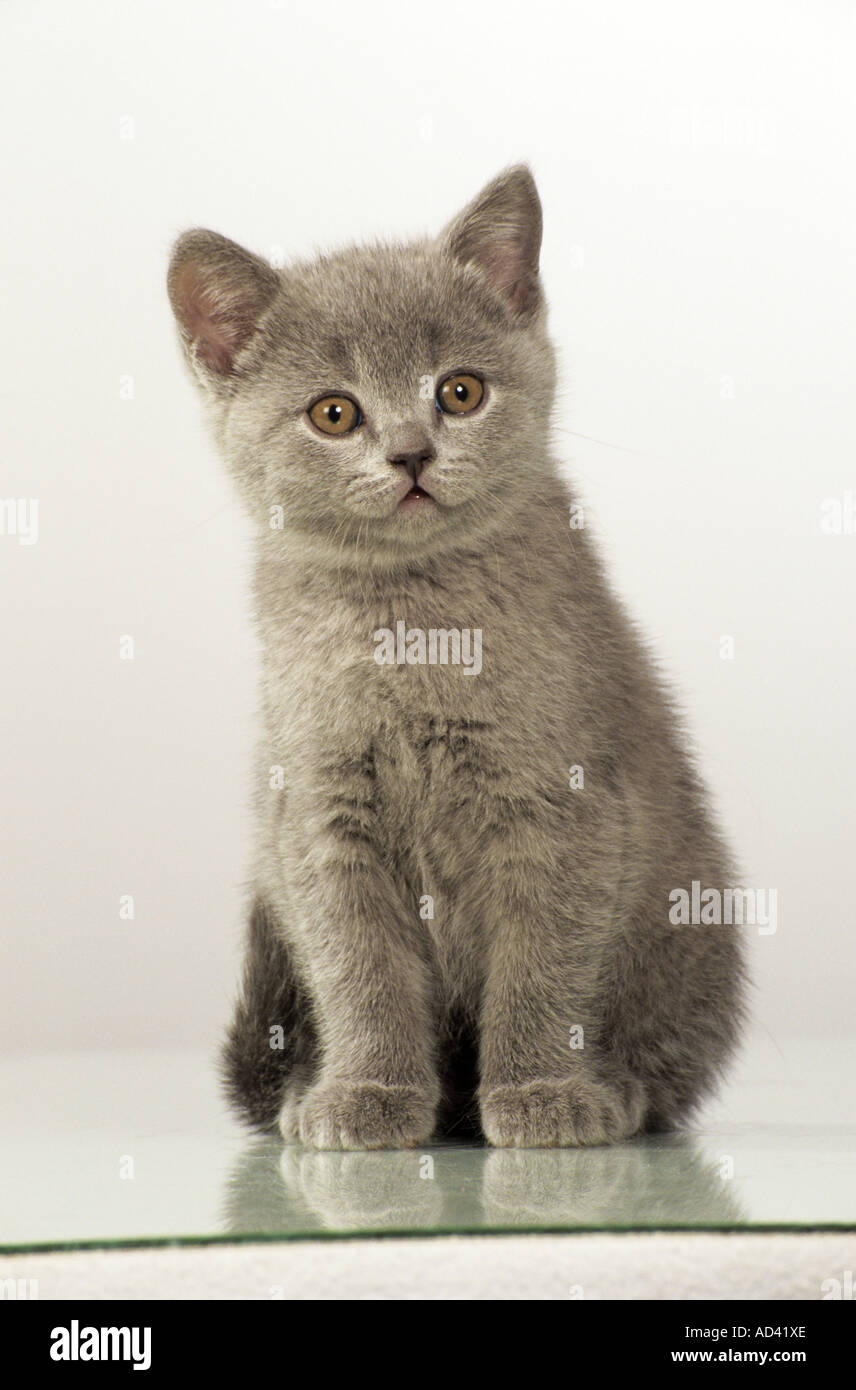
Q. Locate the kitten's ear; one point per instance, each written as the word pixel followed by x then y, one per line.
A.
pixel 218 292
pixel 500 233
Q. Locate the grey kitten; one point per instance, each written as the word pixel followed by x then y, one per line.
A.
pixel 448 928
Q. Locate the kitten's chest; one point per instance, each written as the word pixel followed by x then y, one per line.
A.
pixel 446 693
pixel 432 759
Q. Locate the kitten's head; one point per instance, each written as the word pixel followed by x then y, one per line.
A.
pixel 389 401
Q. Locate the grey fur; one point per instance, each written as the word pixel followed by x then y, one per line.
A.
pixel 551 904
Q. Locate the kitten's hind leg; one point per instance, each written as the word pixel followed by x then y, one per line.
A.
pixel 298 1083
pixel 268 1059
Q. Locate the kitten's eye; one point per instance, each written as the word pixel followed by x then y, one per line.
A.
pixel 335 415
pixel 459 394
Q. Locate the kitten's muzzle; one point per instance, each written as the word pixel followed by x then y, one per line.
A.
pixel 413 460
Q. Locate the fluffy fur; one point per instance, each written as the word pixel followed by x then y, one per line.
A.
pixel 364 1023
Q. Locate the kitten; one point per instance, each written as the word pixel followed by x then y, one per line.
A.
pixel 447 926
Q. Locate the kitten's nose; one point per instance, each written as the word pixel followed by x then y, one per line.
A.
pixel 411 452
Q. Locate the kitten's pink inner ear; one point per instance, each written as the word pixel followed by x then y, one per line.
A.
pixel 500 233
pixel 510 275
pixel 217 335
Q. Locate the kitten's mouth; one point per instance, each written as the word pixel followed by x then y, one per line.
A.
pixel 415 499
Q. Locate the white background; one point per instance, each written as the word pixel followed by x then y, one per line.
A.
pixel 696 166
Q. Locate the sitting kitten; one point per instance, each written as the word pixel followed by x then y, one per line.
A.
pixel 474 796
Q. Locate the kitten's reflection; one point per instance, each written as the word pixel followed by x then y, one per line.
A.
pixel 365 1191
pixel 651 1182
pixel 663 1181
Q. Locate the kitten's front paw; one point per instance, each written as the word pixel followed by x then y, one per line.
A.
pixel 365 1115
pixel 561 1114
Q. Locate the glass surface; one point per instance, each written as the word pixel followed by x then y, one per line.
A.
pixel 140 1146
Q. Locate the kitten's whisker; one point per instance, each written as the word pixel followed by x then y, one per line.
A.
pixel 604 443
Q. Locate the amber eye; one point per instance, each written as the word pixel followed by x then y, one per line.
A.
pixel 460 393
pixel 335 415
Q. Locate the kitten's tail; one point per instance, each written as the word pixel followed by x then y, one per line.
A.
pixel 271 1037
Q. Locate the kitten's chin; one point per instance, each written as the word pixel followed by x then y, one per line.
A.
pixel 412 531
